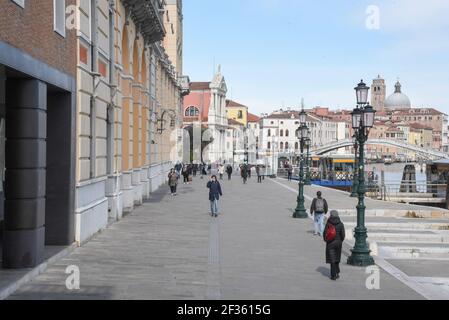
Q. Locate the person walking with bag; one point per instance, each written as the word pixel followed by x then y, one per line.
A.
pixel 173 181
pixel 334 235
pixel 214 195
pixel 319 208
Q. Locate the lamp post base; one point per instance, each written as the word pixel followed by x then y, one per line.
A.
pixel 361 258
pixel 300 213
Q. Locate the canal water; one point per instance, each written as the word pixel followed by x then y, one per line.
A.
pixel 393 174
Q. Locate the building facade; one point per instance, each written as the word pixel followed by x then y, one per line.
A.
pixel 205 111
pixel 129 106
pixel 378 94
pixel 37 129
pixel 94 109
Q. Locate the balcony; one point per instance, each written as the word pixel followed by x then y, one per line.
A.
pixel 148 15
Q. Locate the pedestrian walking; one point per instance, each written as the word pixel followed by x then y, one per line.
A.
pixel 249 171
pixel 259 175
pixel 334 235
pixel 229 171
pixel 289 172
pixel 319 209
pixel 185 174
pixel 244 173
pixel 195 169
pixel 221 171
pixel 173 181
pixel 178 168
pixel 215 193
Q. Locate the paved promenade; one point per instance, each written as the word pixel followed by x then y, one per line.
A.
pixel 170 248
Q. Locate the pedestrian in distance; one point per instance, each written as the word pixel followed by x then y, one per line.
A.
pixel 319 209
pixel 173 181
pixel 244 173
pixel 289 172
pixel 215 193
pixel 249 171
pixel 178 168
pixel 334 235
pixel 229 171
pixel 259 175
pixel 221 171
pixel 185 174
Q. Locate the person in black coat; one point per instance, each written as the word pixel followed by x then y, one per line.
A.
pixel 214 195
pixel 229 171
pixel 333 248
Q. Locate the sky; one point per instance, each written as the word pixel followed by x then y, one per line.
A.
pixel 274 52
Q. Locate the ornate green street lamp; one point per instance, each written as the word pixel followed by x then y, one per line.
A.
pixel 355 182
pixel 308 142
pixel 362 122
pixel 301 134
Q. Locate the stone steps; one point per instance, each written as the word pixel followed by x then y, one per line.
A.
pixel 413 250
pixel 406 240
pixel 403 225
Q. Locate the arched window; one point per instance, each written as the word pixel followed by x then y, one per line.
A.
pixel 286 146
pixel 296 146
pixel 192 112
pixel 282 134
pixel 269 146
pixel 287 133
pixel 282 146
pixel 269 132
pixel 240 114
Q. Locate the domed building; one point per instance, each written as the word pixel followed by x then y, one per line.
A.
pixel 398 100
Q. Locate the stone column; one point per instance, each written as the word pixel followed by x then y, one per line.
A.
pixel 26 132
pixel 2 141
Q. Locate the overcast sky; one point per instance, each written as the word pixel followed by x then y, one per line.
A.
pixel 273 52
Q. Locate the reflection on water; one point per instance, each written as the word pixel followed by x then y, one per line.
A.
pixel 393 175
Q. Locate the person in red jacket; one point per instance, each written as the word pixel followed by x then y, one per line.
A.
pixel 334 246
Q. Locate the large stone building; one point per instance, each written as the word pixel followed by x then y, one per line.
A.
pixel 129 106
pixel 205 108
pixel 278 134
pixel 102 104
pixel 38 110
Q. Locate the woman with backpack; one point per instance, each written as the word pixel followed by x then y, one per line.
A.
pixel 334 235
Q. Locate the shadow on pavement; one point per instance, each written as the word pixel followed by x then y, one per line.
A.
pixel 324 271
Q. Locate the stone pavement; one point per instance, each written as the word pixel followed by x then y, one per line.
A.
pixel 170 248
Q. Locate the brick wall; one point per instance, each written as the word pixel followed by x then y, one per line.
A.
pixel 31 30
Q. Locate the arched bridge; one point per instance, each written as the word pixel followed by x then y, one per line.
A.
pixel 429 154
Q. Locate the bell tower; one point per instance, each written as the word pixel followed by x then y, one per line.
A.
pixel 378 94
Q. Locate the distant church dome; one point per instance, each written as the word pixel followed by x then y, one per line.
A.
pixel 398 100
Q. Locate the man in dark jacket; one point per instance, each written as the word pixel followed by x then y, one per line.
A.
pixel 319 208
pixel 214 195
pixel 244 173
pixel 229 171
pixel 333 248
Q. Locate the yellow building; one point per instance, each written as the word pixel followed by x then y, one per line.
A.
pixel 421 135
pixel 237 112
